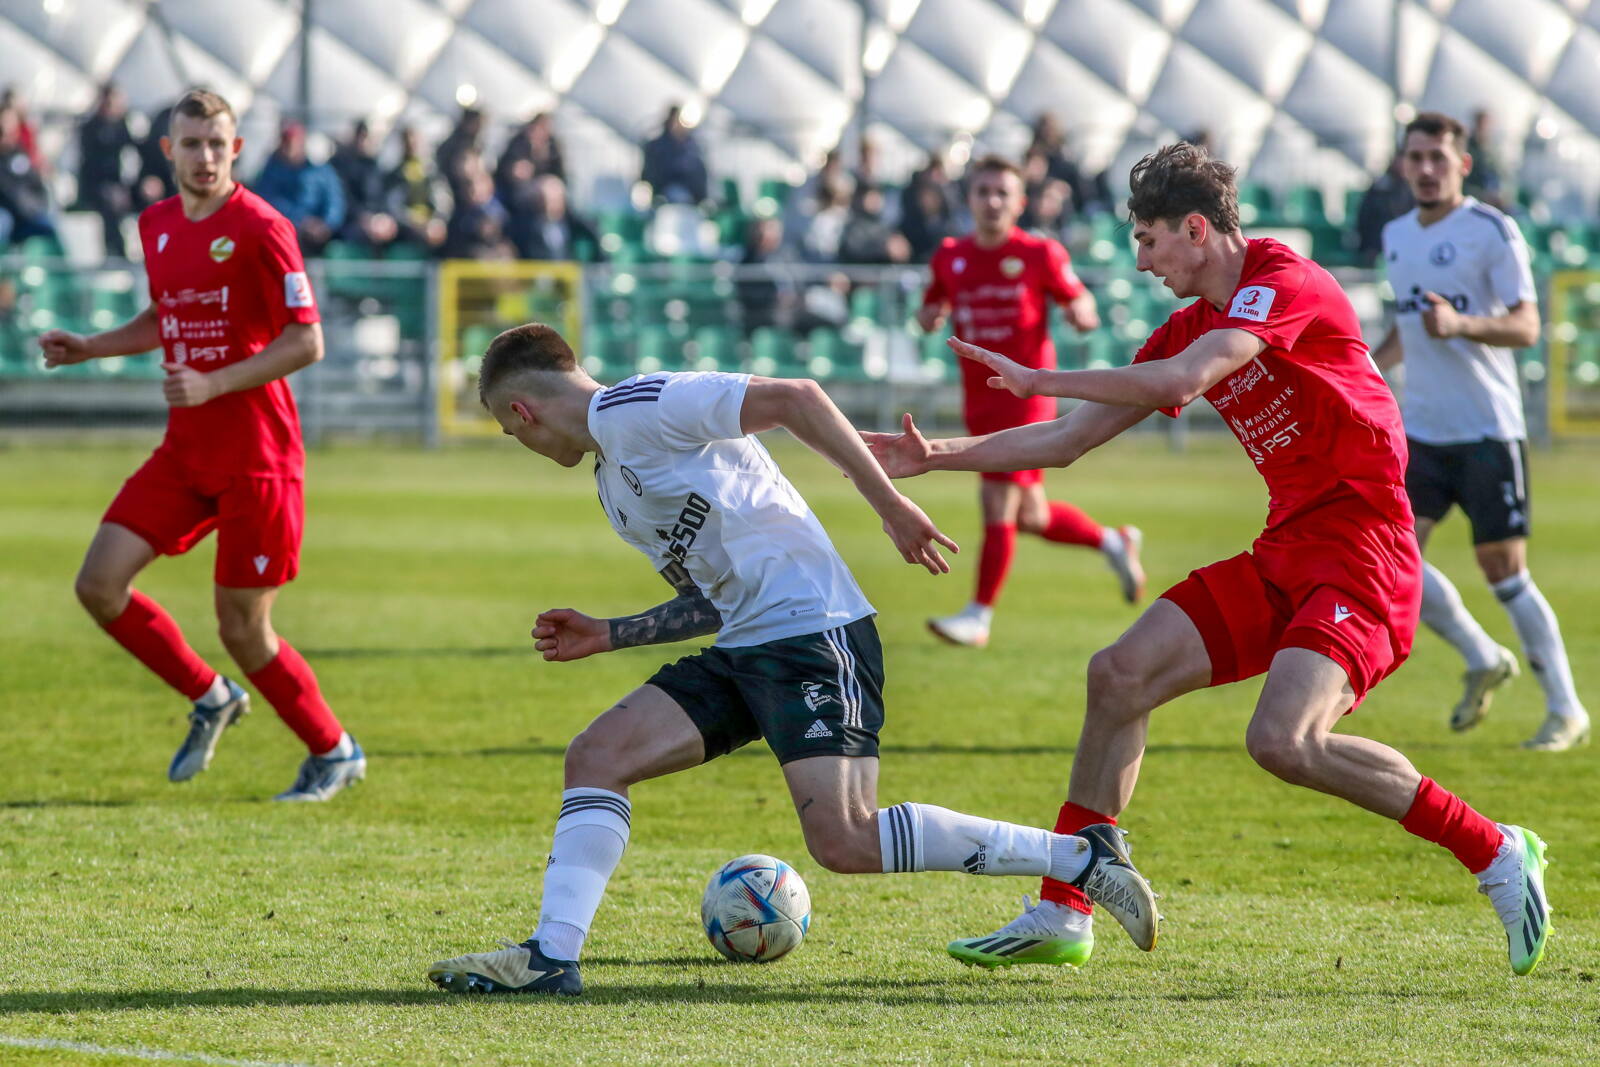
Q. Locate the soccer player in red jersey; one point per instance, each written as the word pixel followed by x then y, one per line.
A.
pixel 233 311
pixel 1325 602
pixel 1000 281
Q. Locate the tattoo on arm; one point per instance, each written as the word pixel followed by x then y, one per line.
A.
pixel 689 614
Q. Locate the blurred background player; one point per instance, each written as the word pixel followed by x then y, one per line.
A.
pixel 1466 300
pixel 797 659
pixel 1325 601
pixel 999 280
pixel 232 308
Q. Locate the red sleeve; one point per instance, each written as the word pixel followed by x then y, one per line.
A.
pixel 284 284
pixel 1274 305
pixel 1060 280
pixel 938 291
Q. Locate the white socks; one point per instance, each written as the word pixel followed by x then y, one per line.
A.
pixel 1448 617
pixel 343 750
pixel 1541 642
pixel 591 834
pixel 217 695
pixel 923 837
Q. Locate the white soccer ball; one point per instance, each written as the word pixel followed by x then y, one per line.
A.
pixel 756 909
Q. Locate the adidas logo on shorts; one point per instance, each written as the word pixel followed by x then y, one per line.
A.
pixel 819 729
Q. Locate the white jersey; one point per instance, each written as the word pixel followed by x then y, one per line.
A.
pixel 1458 390
pixel 680 481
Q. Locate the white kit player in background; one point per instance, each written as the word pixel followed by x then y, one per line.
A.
pixel 1465 300
pixel 797 661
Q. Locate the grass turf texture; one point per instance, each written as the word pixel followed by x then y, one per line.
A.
pixel 202 919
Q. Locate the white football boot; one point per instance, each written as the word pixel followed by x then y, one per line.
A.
pixel 1122 556
pixel 968 627
pixel 1514 884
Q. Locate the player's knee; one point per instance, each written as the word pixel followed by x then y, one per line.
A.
pixel 844 852
pixel 102 598
pixel 246 638
pixel 1499 563
pixel 1116 676
pixel 1287 754
pixel 598 759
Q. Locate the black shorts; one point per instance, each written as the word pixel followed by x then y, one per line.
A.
pixel 816 695
pixel 1488 478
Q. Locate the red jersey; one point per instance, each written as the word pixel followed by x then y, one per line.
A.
pixel 224 288
pixel 1000 298
pixel 1312 409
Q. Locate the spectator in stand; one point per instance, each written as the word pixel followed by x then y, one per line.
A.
pixel 867 160
pixel 477 227
pixel 24 201
pixel 674 167
pixel 1049 210
pixel 1388 197
pixel 929 211
pixel 787 294
pixel 27 136
pixel 459 154
pixel 413 193
pixel 868 237
pixel 532 151
pixel 824 226
pixel 1486 180
pixel 155 172
pixel 1050 139
pixel 804 201
pixel 307 194
pixel 102 138
pixel 548 230
pixel 368 222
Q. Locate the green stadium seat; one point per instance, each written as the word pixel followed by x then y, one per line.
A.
pixel 772 352
pixel 716 348
pixel 1303 206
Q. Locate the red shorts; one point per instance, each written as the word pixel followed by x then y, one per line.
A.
pixel 1344 582
pixel 258 520
pixel 996 411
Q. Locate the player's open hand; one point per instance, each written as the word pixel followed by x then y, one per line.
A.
pixel 1440 318
pixel 915 535
pixel 562 634
pixel 1009 374
pixel 63 347
pixel 901 455
pixel 185 387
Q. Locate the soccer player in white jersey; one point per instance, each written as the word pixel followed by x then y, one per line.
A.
pixel 796 660
pixel 1465 300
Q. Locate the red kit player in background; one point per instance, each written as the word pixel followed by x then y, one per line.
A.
pixel 1324 603
pixel 1000 281
pixel 231 307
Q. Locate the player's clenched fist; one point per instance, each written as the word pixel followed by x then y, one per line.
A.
pixel 1440 318
pixel 1009 374
pixel 62 347
pixel 562 634
pixel 185 387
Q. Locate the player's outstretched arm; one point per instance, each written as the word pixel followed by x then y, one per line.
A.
pixel 1057 443
pixel 562 634
pixel 800 406
pixel 1160 383
pixel 139 334
pixel 299 345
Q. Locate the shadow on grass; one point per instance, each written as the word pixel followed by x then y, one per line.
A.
pixel 416 653
pixel 65 802
pixel 889 751
pixel 953 991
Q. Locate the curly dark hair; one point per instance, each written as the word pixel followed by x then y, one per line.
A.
pixel 532 346
pixel 1183 179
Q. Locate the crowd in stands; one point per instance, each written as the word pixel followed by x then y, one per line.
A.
pixel 471 198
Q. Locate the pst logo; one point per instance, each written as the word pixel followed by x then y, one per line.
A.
pixel 815 695
pixel 1341 613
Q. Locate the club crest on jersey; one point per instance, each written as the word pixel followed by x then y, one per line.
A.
pixel 221 249
pixel 632 481
pixel 1443 254
pixel 1011 266
pixel 1252 302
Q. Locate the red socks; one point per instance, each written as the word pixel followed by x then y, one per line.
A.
pixel 1440 816
pixel 1072 818
pixel 146 630
pixel 994 561
pixel 1070 526
pixel 291 689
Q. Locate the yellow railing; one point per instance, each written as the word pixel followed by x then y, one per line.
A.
pixel 1574 311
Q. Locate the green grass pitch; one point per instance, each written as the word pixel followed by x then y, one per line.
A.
pixel 202 920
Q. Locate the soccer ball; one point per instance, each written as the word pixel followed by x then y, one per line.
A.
pixel 756 909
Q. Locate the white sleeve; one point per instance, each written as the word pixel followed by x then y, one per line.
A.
pixel 1511 275
pixel 698 407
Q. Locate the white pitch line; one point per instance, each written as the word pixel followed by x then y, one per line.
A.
pixel 51 1044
